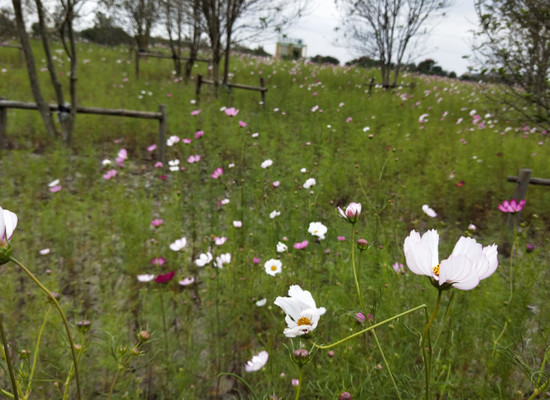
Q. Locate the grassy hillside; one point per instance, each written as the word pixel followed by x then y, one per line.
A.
pixel 438 143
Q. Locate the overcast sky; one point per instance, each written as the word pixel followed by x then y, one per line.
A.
pixel 448 42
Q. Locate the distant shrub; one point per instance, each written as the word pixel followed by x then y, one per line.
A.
pixel 325 60
pixel 106 35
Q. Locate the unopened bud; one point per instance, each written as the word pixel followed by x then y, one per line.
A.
pixel 135 351
pixel 56 296
pixel 83 326
pixel 362 244
pixel 345 396
pixel 301 354
pixel 144 336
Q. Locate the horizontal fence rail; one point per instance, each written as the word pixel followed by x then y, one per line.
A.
pixel 262 89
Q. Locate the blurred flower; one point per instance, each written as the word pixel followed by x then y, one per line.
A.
pixel 469 262
pixel 276 183
pixel 274 214
pixel 193 159
pixel 295 382
pixel 352 212
pixel 8 222
pixel 428 211
pixel 219 240
pixel 256 260
pixel 195 112
pixel 472 227
pixel 187 281
pixel 301 245
pixel 267 163
pixel 172 140
pixel 43 252
pixel 273 267
pixel 217 173
pixel 121 157
pixel 174 165
pixel 317 229
pixel 340 238
pixel 398 268
pixel 54 186
pixel 203 259
pixel 158 261
pixel 222 260
pixel 261 302
pixel 281 247
pixel 156 222
pixel 146 277
pixel 110 174
pixel 164 278
pixel 231 112
pixel 179 244
pixel 151 147
pixel 198 134
pixel 530 247
pixel 302 314
pixel 511 206
pixel 242 124
pixel 237 224
pixel 258 361
pixel 360 317
pixel 106 163
pixel 309 183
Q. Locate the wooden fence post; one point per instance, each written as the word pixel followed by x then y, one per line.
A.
pixel 262 92
pixel 3 123
pixel 519 194
pixel 162 133
pixel 199 84
pixel 137 64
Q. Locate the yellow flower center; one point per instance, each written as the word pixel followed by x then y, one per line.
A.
pixel 274 268
pixel 304 321
pixel 436 270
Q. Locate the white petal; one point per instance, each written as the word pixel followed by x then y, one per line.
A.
pixel 459 271
pixel 10 222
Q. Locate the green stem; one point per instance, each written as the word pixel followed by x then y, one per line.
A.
pixel 370 328
pixel 386 364
pixel 120 368
pixel 71 372
pixel 445 317
pixel 61 313
pixel 355 275
pixel 513 264
pixel 425 333
pixel 36 350
pixel 299 382
pixel 8 359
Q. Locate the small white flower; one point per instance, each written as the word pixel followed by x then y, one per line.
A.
pixel 106 163
pixel 267 163
pixel 274 214
pixel 261 303
pixel 273 267
pixel 258 361
pixel 179 244
pixel 303 170
pixel 309 183
pixel 53 183
pixel 237 224
pixel 317 229
pixel 146 277
pixel 203 259
pixel 224 201
pixel 222 260
pixel 174 165
pixel 172 140
pixel 302 314
pixel 8 222
pixel 281 247
pixel 43 252
pixel 472 227
pixel 220 240
pixel 429 211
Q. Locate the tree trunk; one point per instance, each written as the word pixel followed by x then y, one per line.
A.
pixel 31 70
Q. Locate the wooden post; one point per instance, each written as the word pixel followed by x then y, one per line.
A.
pixel 519 193
pixel 371 85
pixel 137 64
pixel 162 132
pixel 262 92
pixel 3 123
pixel 199 84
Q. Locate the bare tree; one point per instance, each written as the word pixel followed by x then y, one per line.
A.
pixel 384 29
pixel 513 46
pixel 249 18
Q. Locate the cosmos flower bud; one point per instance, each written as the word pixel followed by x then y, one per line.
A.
pixel 362 244
pixel 144 336
pixel 83 326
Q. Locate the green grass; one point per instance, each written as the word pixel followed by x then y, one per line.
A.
pixel 100 236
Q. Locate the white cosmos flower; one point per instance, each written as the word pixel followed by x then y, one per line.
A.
pixel 274 214
pixel 53 183
pixel 178 244
pixel 267 163
pixel 429 211
pixel 317 229
pixel 302 314
pixel 222 260
pixel 469 262
pixel 273 267
pixel 258 361
pixel 8 222
pixel 262 302
pixel 281 247
pixel 309 183
pixel 203 259
pixel 174 165
pixel 146 277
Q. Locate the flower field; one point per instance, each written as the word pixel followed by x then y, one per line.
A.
pixel 336 243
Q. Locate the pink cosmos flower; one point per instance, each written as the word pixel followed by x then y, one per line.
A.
pixel 54 186
pixel 110 174
pixel 195 112
pixel 219 240
pixel 158 261
pixel 231 112
pixel 164 278
pixel 276 183
pixel 158 164
pixel 121 157
pixel 238 224
pixel 157 222
pixel 217 173
pixel 193 159
pixel 352 212
pixel 398 268
pixel 256 260
pixel 301 245
pixel 151 148
pixel 242 124
pixel 198 134
pixel 341 238
pixel 511 206
pixel 186 140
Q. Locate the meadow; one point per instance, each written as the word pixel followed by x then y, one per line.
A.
pixel 104 225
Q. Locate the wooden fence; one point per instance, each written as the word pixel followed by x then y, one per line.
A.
pixel 141 54
pixel 160 115
pixel 229 86
pixel 15 46
pixel 372 84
